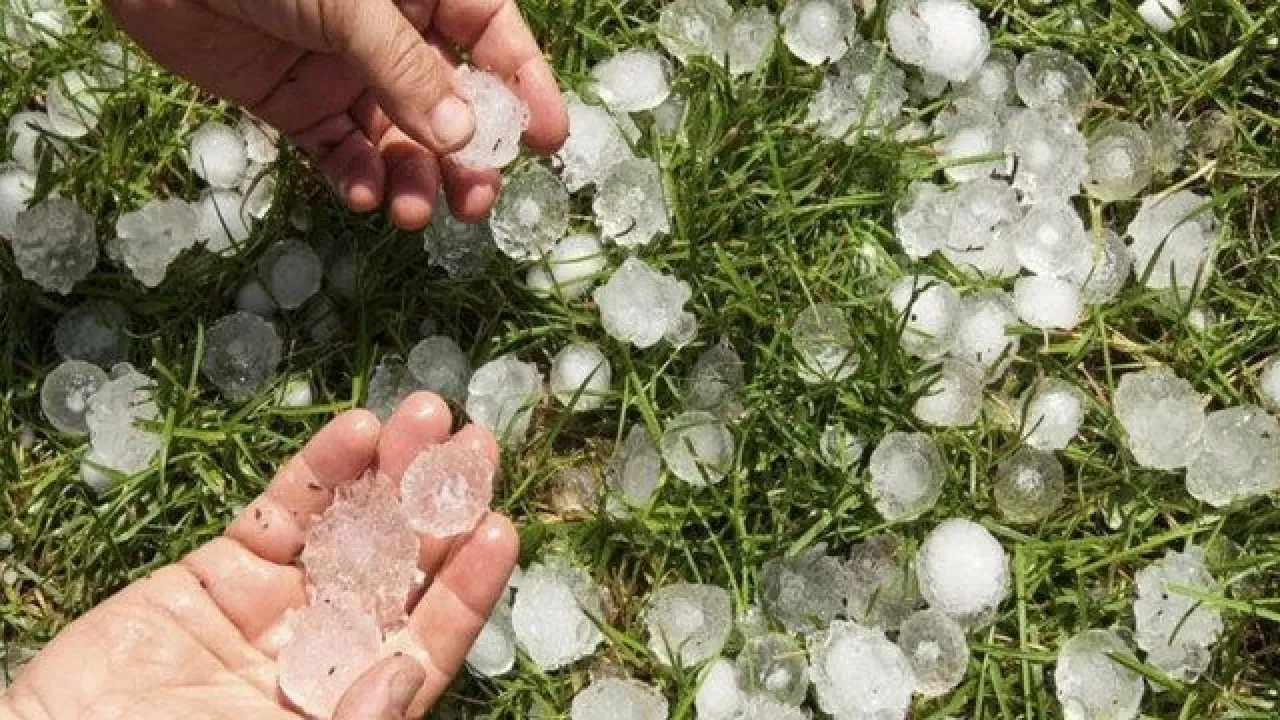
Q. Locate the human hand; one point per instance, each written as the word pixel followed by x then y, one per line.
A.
pixel 199 639
pixel 363 86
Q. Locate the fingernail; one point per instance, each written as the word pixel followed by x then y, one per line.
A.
pixel 451 122
pixel 404 686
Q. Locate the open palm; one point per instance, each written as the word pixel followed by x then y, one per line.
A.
pixel 199 639
pixel 364 86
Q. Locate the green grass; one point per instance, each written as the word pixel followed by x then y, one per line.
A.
pixel 766 221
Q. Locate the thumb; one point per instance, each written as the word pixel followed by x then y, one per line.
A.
pixel 412 80
pixel 383 692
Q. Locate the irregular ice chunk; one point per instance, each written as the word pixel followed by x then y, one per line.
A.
pixel 149 239
pixel 96 331
pixel 494 652
pixel 882 590
pixel 460 249
pixel 718 696
pixel 963 571
pixel 840 448
pixel 858 674
pixel 1029 486
pixel 440 366
pixel 774 664
pixel 292 272
pixel 824 344
pixel 363 547
pixel 1107 268
pixel 1052 413
pixel 31 141
pixel 634 472
pixel 114 411
pixel 531 213
pixel 501 118
pixel 218 155
pixel 926 309
pixel 17 188
pixel 922 218
pixel 632 81
pixel 609 698
pixel 984 214
pixel 952 397
pixel 222 220
pixel 502 395
pixel 447 489
pixel 697 448
pixel 1172 240
pixel 555 614
pixel 1051 240
pixel 1051 154
pixel 261 141
pixel 639 305
pixel 936 648
pixel 242 352
pixel 715 384
pixel 1168 138
pixel 1162 416
pixel 27 22
pixel 993 80
pixel 690 28
pixel 1048 303
pixel 573 266
pixel 74 104
pixel 594 146
pixel 804 592
pixel 390 383
pixel 751 39
pixel 1161 15
pixel 946 38
pixel 907 473
pixel 54 244
pixel 581 377
pixel 818 31
pixel 1237 456
pixel 982 334
pixel 1046 76
pixel 688 623
pixel 1119 161
pixel 1092 686
pixel 252 297
pixel 65 393
pixel 863 92
pixel 1176 630
pixel 630 204
pixel 972 144
pixel 334 642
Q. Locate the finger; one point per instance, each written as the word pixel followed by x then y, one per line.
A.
pixel 500 41
pixel 348 159
pixel 423 419
pixel 413 180
pixel 412 84
pixel 252 592
pixel 471 192
pixel 315 87
pixel 274 526
pixel 457 605
pixel 435 551
pixel 383 692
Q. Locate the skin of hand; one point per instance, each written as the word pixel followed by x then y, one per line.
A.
pixel 198 640
pixel 365 87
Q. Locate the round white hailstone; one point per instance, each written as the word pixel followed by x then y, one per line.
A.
pixel 55 244
pixel 595 144
pixel 343 277
pixel 1052 413
pixel 333 643
pixel 691 28
pixel 1051 240
pixel 907 474
pixel 17 188
pixel 1161 15
pixel 65 393
pixel 922 219
pixel 575 263
pixel 804 592
pixel 149 239
pixel 1173 240
pixel 218 155
pixel 1090 685
pixel 1162 415
pixel 1175 629
pixel 1046 76
pixel 222 223
pixel 718 696
pixel 1106 271
pixel 944 37
pixel 1237 456
pixel 1168 138
pixel 539 282
pixel 611 697
pixel 640 305
pixel 632 81
pixel 73 103
pixel 1120 162
pixel 972 144
pixel 983 334
pixel 926 309
pixel 581 377
pixel 864 93
pixel 963 571
pixel 531 213
pixel 1029 486
pixel 252 297
pixel 839 447
pixel 715 383
pixel 688 623
pixel 937 650
pixel 555 612
pixel 292 272
pixel 697 448
pixel 774 664
pixel 241 353
pixel 1048 303
pixel 30 142
pixel 502 395
pixel 952 397
pixel 96 332
pixel 993 80
pixel 668 116
pixel 493 654
pixel 980 228
pixel 751 39
pixel 447 489
pixel 501 117
pixel 630 205
pixel 1050 152
pixel 1269 382
pixel 818 31
pixel 440 366
pixel 633 474
pixel 261 141
pixel 296 393
pixel 824 344
pixel 858 673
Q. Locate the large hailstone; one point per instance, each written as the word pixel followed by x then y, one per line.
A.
pixel 610 698
pixel 531 214
pixel 149 239
pixel 882 590
pixel 1052 413
pixel 922 218
pixel 641 306
pixel 946 38
pixel 222 220
pixel 117 440
pixel 502 395
pixel 55 244
pixel 1107 269
pixel 494 652
pixel 441 366
pixel 242 352
pixel 858 674
pixel 937 650
pixel 715 383
pixel 1175 629
pixel 973 142
pixel 1047 303
pixel 984 332
pixel 632 81
pixel 993 80
pixel 555 613
pixel 333 642
pixel 697 448
pixel 980 227
pixel 630 204
pixel 1173 240
pixel 719 696
pixel 951 395
pixel 688 623
pixel 74 103
pixel 1120 161
pixel 865 91
pixel 751 39
pixel 1237 456
pixel 1162 416
pixel 1051 239
pixel 1029 486
pixel 65 393
pixel 1051 153
pixel 907 473
pixel 96 331
pixel 1092 686
pixel 634 472
pixel 1046 76
pixel 501 117
pixel 804 592
pixel 292 272
pixel 218 155
pixel 447 489
pixel 926 309
pixel 570 269
pixel 774 664
pixel 580 377
pixel 596 143
pixel 963 571
pixel 824 344
pixel 818 31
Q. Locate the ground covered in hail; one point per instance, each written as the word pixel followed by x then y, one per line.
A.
pixel 911 359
